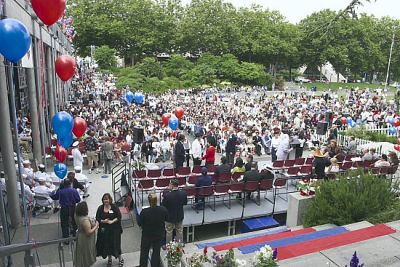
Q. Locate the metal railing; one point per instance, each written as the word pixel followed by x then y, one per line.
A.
pixel 29 259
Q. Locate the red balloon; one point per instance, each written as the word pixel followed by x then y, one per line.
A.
pixel 79 127
pixel 166 117
pixel 60 153
pixel 179 112
pixel 174 134
pixel 49 11
pixel 396 122
pixel 343 120
pixel 65 67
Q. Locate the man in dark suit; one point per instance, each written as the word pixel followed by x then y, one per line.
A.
pixel 174 202
pixel 204 180
pixel 223 167
pixel 252 175
pixel 231 148
pixel 152 220
pixel 179 152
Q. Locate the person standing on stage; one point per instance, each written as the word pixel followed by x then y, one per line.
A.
pixel 179 152
pixel 197 150
pixel 152 220
pixel 68 197
pixel 174 202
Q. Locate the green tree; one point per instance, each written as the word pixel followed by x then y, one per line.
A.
pixel 150 67
pixel 105 57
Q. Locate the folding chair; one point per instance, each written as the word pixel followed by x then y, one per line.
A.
pixel 265 185
pixel 145 185
pixel 299 161
pixel 192 181
pixel 206 192
pixel 153 174
pixel 138 174
pixel 169 173
pixel 289 163
pixel 224 177
pixel 236 188
pixel 211 169
pixel 250 187
pixel 221 190
pixel 196 170
pixel 183 171
pixel 190 193
pixel 126 209
pixel 280 183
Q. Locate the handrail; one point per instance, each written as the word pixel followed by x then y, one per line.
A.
pixel 16 248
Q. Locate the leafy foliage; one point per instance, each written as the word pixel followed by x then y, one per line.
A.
pixel 178 72
pixel 105 57
pixel 349 199
pixel 362 133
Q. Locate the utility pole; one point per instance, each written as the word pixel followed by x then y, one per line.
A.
pixel 390 59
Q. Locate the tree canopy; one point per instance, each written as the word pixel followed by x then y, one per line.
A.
pixel 357 46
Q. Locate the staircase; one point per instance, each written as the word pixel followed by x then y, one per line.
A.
pixel 121 184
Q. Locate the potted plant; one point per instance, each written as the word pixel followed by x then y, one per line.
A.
pixel 174 253
pixel 265 257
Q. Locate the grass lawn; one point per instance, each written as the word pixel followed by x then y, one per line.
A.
pixel 337 86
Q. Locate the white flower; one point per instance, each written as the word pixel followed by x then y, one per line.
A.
pixel 240 262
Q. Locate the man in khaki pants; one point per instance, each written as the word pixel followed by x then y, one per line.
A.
pixel 91 152
pixel 174 202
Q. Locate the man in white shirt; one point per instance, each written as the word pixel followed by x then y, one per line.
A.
pixel 165 147
pixel 29 173
pixel 77 155
pixel 82 179
pixel 41 173
pixel 197 151
pixel 44 192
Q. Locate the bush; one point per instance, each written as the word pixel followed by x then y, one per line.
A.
pixel 349 199
pixel 362 133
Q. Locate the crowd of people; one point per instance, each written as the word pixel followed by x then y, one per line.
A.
pixel 237 123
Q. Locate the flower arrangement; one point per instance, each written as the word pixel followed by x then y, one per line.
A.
pixel 227 260
pixel 307 187
pixel 174 253
pixel 355 261
pixel 197 260
pixel 266 257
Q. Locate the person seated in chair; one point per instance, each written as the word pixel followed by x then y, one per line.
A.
pixel 45 192
pixel 383 162
pixel 204 180
pixel 223 167
pixel 252 175
pixel 82 179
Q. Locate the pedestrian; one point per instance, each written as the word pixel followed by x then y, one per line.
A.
pixel 197 150
pixel 152 220
pixel 85 250
pixel 179 152
pixel 91 151
pixel 68 197
pixel 108 242
pixel 174 201
pixel 108 148
pixel 77 155
pixel 209 156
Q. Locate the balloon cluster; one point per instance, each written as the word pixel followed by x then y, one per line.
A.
pixel 69 29
pixel 349 121
pixel 66 128
pixel 397 146
pixel 138 97
pixel 172 120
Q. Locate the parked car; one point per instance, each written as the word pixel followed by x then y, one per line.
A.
pixel 302 79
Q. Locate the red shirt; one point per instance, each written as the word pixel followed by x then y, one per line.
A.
pixel 210 154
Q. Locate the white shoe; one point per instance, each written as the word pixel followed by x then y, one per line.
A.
pixel 90 171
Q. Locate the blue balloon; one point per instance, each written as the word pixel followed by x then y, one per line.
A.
pixel 390 120
pixel 139 98
pixel 173 123
pixel 60 169
pixel 353 124
pixel 66 140
pixel 349 120
pixel 392 131
pixel 129 96
pixel 62 124
pixel 15 39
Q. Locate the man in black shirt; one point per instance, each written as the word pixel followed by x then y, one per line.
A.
pixel 222 168
pixel 174 202
pixel 179 152
pixel 152 220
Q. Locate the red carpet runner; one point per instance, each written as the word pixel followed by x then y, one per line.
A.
pixel 260 239
pixel 308 247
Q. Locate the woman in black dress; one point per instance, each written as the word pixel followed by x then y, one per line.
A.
pixel 108 242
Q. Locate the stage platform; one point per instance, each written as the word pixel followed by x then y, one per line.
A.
pixel 222 213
